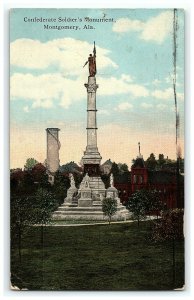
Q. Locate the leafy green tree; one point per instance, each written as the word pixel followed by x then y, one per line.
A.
pixel 22 216
pixel 161 160
pixel 133 161
pixel 143 203
pixel 170 227
pixel 44 205
pixel 109 207
pixel 106 179
pixel 40 176
pixel 137 205
pixel 26 185
pixel 115 169
pixel 153 204
pixel 78 178
pixel 161 156
pixel 30 163
pixel 124 168
pixel 60 187
pixel 151 162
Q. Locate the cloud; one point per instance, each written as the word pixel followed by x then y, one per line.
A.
pixel 156 29
pixel 127 25
pixel 167 94
pixel 163 94
pixel 124 106
pixel 103 112
pixel 169 78
pixel 51 89
pixel 46 90
pixel 146 105
pixel 161 106
pixel 68 55
pixel 180 96
pixel 156 82
pixel 26 109
pixel 127 77
pixel 113 85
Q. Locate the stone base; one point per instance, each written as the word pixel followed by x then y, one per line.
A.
pixel 85 203
pixel 89 213
pixel 91 156
pixel 88 203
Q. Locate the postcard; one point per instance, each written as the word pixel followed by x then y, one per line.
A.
pixel 97 149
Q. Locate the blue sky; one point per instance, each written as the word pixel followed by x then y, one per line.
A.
pixel 134 72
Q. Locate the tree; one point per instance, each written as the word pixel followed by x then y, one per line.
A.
pixel 60 187
pixel 151 162
pixel 137 205
pixel 123 168
pixel 30 163
pixel 44 205
pixel 143 203
pixel 161 160
pixel 169 227
pixel 153 204
pixel 109 207
pixel 115 169
pixel 161 156
pixel 22 216
pixel 15 181
pixel 39 174
pixel 106 179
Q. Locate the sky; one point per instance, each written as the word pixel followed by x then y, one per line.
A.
pixel 135 98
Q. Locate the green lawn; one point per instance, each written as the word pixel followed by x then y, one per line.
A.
pixel 101 257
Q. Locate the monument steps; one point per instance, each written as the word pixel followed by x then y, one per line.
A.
pixel 88 215
pixel 76 208
pixel 85 212
pixel 92 208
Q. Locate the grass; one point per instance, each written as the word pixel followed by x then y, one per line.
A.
pixel 102 257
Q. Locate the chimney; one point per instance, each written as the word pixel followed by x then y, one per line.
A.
pixel 53 146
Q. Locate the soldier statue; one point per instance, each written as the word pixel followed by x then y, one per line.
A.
pixel 92 63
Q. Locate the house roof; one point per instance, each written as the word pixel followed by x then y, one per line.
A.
pixel 107 162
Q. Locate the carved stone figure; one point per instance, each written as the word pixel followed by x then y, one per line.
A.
pixel 72 181
pixel 92 63
pixel 111 180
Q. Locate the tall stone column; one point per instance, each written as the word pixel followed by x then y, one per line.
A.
pixel 53 146
pixel 91 159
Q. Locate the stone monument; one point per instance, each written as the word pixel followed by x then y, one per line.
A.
pixel 86 202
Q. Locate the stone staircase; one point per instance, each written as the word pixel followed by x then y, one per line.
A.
pixel 88 213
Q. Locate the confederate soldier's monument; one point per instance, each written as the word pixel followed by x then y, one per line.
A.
pixel 86 202
pixel 91 159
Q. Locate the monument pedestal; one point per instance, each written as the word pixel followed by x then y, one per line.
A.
pixel 89 207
